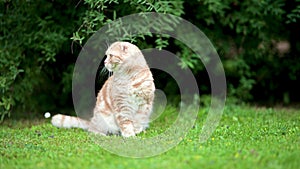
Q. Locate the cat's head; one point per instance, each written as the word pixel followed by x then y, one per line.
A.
pixel 117 53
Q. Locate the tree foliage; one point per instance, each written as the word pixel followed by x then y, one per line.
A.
pixel 248 35
pixel 34 36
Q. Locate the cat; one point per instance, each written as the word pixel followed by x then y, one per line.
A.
pixel 124 103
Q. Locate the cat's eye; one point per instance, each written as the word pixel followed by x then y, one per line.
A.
pixel 109 56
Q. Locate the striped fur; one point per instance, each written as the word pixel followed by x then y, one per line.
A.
pixel 124 103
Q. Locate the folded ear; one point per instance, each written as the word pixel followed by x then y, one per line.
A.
pixel 124 47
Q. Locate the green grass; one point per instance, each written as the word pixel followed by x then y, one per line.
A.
pixel 247 137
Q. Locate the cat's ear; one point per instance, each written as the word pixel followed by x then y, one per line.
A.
pixel 124 47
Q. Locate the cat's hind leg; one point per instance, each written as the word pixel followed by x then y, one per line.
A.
pixel 103 124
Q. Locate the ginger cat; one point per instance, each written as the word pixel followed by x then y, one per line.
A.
pixel 124 103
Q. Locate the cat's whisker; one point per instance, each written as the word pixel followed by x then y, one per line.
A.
pixel 103 71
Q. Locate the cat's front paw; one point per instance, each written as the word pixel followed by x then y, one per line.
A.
pixel 138 129
pixel 127 129
pixel 128 133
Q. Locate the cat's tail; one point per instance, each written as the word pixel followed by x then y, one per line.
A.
pixel 64 121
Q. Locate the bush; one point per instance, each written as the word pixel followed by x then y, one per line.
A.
pixel 34 35
pixel 247 35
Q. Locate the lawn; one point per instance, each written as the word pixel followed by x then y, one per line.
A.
pixel 247 137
